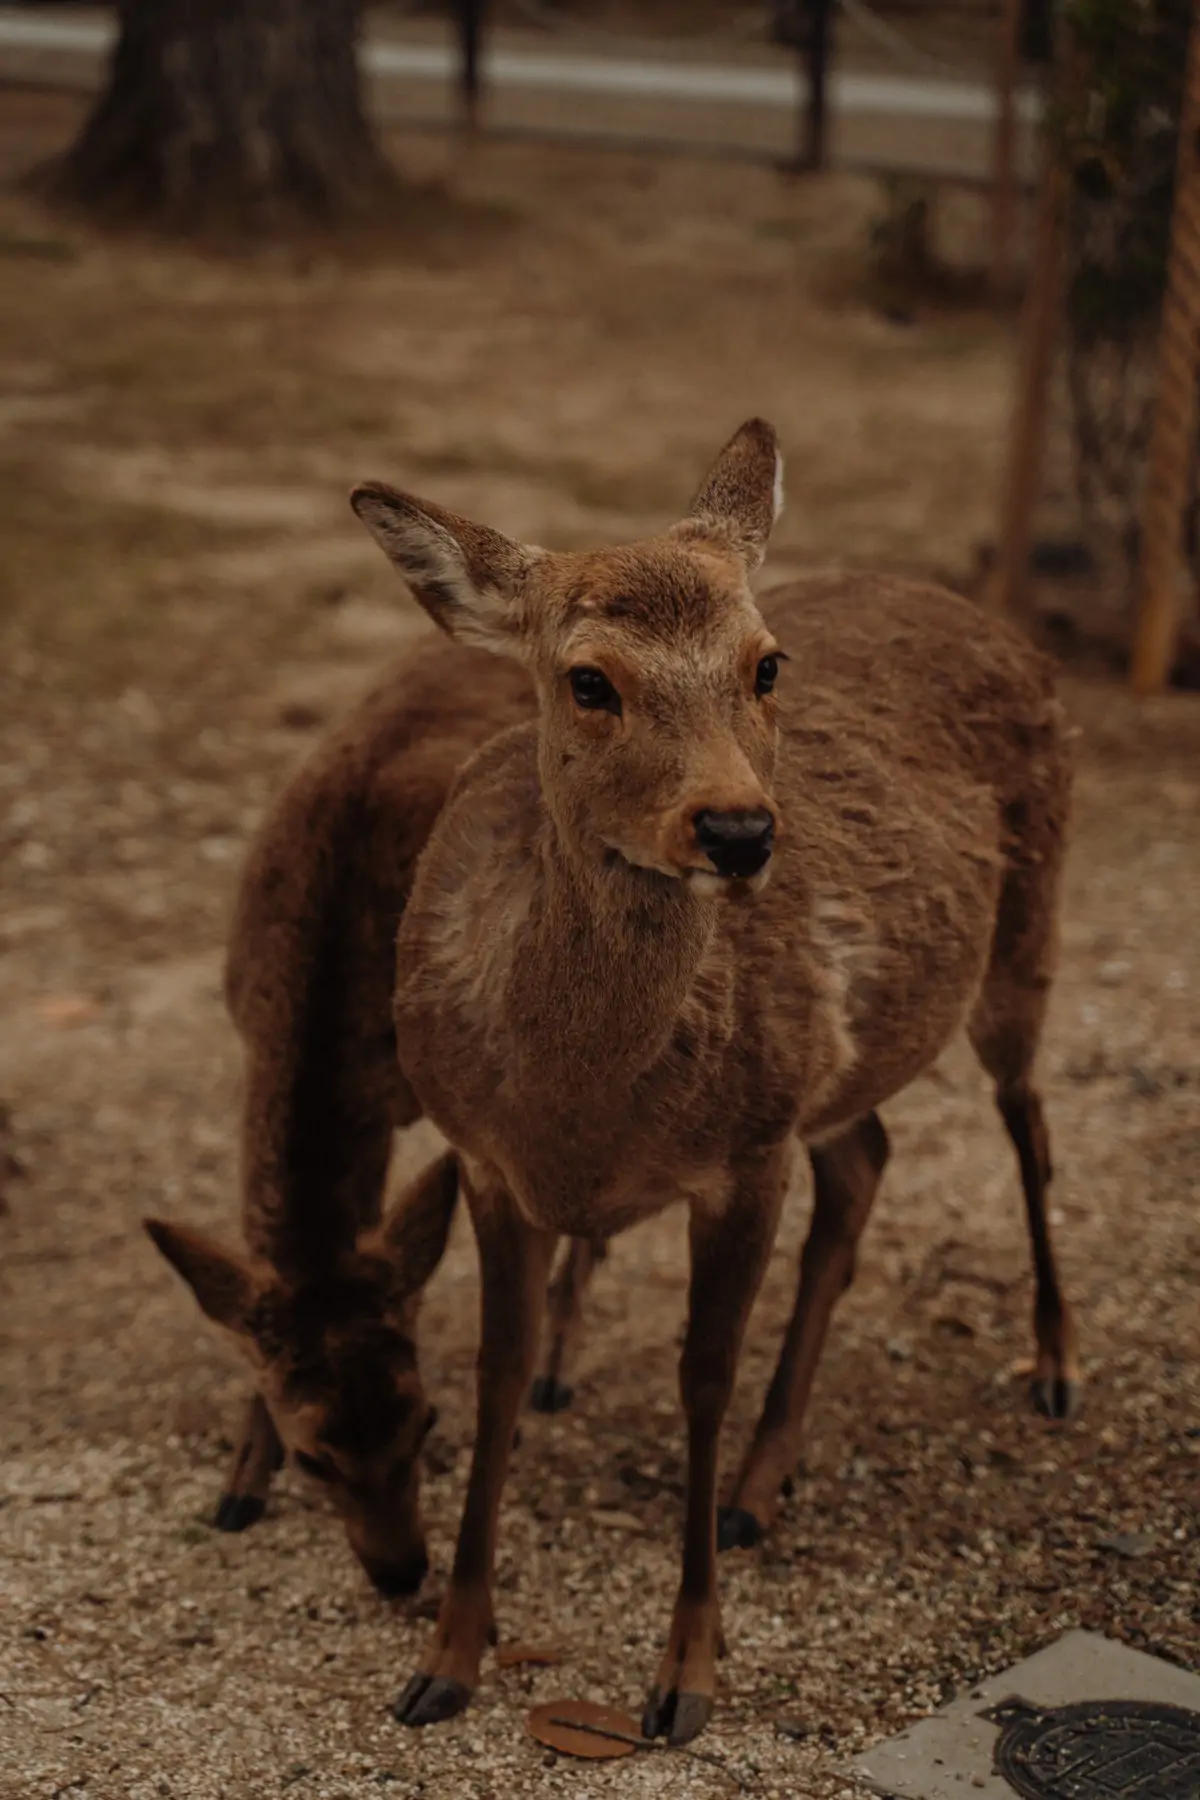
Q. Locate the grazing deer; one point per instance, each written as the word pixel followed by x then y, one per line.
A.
pixel 685 919
pixel 324 1306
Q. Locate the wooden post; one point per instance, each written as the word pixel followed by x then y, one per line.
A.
pixel 470 40
pixel 1171 449
pixel 1004 175
pixel 808 26
pixel 1007 588
pixel 820 18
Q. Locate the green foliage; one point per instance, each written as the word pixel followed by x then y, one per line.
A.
pixel 1117 132
pixel 1120 137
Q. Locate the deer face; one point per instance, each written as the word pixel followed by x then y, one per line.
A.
pixel 337 1368
pixel 655 669
pixel 335 1358
pixel 658 735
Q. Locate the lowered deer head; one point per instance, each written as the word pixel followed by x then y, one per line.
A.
pixel 652 664
pixel 335 1356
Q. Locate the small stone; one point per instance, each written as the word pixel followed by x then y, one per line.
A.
pixel 951 1326
pixel 1127 1544
pixel 218 849
pixel 795 1729
pixel 1112 974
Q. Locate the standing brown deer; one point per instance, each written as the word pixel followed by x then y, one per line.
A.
pixel 683 920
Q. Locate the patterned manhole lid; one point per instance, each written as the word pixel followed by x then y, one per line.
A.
pixel 1099 1750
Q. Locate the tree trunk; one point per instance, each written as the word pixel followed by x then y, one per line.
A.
pixel 228 115
pixel 1169 483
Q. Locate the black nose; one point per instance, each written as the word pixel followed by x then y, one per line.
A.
pixel 395 1580
pixel 735 843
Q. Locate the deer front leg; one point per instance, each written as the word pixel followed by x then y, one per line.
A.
pixel 550 1393
pixel 258 1455
pixel 514 1264
pixel 729 1253
pixel 846 1175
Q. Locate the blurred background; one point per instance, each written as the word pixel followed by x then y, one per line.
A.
pixel 536 259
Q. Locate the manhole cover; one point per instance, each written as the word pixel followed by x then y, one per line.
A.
pixel 1099 1750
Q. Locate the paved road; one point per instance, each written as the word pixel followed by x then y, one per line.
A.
pixel 737 104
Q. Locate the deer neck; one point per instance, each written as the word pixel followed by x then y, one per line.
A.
pixel 611 954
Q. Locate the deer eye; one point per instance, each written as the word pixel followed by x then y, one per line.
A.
pixel 316 1466
pixel 593 690
pixel 766 674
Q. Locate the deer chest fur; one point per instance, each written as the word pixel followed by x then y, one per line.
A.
pixel 602 1067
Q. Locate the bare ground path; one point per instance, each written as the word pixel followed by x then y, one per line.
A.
pixel 185 602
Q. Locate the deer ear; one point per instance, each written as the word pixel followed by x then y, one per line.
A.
pixel 417 1229
pixel 224 1285
pixel 741 496
pixel 467 577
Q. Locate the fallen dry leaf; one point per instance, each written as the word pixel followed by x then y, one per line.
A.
pixel 581 1728
pixel 615 1520
pixel 544 1656
pixel 66 1009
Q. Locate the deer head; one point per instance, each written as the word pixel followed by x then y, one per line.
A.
pixel 654 667
pixel 335 1357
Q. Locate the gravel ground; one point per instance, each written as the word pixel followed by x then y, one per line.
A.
pixel 185 606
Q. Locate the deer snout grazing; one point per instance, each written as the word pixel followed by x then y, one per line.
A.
pixel 737 843
pixel 397 1580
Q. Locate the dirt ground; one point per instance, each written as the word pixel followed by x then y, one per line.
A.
pixel 187 601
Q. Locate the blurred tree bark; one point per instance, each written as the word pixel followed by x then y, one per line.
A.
pixel 242 116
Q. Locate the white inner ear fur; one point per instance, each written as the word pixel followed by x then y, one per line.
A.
pixel 777 493
pixel 428 557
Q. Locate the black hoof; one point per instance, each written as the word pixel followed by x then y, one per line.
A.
pixel 429 1699
pixel 550 1395
pixel 1057 1399
pixel 236 1511
pixel 738 1529
pixel 677 1717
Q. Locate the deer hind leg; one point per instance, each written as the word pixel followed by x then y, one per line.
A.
pixel 550 1393
pixel 1005 1028
pixel 729 1251
pixel 846 1176
pixel 1004 1031
pixel 258 1455
pixel 514 1261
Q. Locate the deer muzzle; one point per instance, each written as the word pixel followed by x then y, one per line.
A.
pixel 737 844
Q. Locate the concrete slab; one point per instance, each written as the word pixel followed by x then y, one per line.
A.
pixel 950 1755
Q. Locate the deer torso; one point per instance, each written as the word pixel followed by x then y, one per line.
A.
pixel 605 1040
